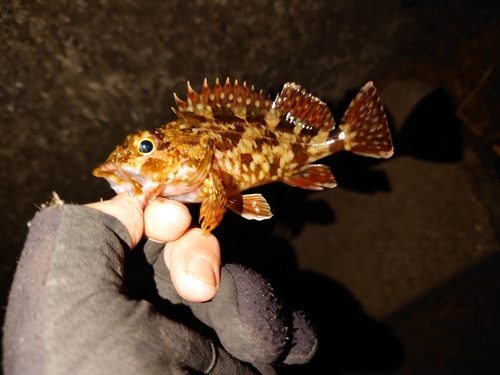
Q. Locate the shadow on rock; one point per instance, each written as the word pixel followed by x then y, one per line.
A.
pixel 348 338
pixel 432 131
pixel 292 208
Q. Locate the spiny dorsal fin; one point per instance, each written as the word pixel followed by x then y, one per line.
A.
pixel 229 99
pixel 303 109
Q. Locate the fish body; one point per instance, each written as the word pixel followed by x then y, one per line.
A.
pixel 230 138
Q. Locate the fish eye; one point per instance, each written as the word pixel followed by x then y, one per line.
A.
pixel 146 146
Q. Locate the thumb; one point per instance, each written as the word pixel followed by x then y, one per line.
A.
pixel 128 211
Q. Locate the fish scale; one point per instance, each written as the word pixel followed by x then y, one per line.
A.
pixel 230 138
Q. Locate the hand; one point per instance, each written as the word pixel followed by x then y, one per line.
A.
pixel 192 258
pixel 82 302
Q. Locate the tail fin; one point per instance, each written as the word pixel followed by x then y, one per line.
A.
pixel 365 125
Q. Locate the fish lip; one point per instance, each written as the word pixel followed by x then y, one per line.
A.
pixel 118 179
pixel 127 179
pixel 111 172
pixel 131 174
pixel 124 178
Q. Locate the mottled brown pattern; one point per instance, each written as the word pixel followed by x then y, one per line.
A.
pixel 300 155
pixel 228 141
pixel 257 169
pixel 273 167
pixel 164 145
pixel 246 159
pixel 226 118
pixel 247 140
pixel 272 137
pixel 336 146
pixel 259 142
pixel 284 126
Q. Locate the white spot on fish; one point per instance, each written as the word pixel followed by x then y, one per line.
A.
pixel 253 179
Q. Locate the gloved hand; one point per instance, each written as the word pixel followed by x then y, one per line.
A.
pixel 83 303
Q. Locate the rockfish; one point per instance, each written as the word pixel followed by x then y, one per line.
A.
pixel 231 138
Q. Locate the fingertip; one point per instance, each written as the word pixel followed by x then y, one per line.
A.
pixel 166 220
pixel 193 289
pixel 194 263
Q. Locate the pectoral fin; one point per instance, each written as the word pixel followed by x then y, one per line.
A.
pixel 204 167
pixel 250 206
pixel 312 177
pixel 214 205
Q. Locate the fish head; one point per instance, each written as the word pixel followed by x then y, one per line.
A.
pixel 149 164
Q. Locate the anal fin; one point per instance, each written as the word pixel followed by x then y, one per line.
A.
pixel 312 177
pixel 250 206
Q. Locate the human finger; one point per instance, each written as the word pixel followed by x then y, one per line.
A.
pixel 194 263
pixel 127 210
pixel 165 220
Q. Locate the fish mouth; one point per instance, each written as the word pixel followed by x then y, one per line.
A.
pixel 145 185
pixel 126 179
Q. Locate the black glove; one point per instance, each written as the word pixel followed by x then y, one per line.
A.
pixel 70 310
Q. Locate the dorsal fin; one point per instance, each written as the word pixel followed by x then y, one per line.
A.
pixel 229 99
pixel 303 109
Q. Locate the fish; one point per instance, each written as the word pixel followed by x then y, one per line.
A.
pixel 230 138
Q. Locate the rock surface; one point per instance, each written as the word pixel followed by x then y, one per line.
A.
pixel 411 237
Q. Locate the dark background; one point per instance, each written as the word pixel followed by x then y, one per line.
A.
pixel 405 250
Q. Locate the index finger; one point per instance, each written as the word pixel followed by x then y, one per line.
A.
pixel 166 220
